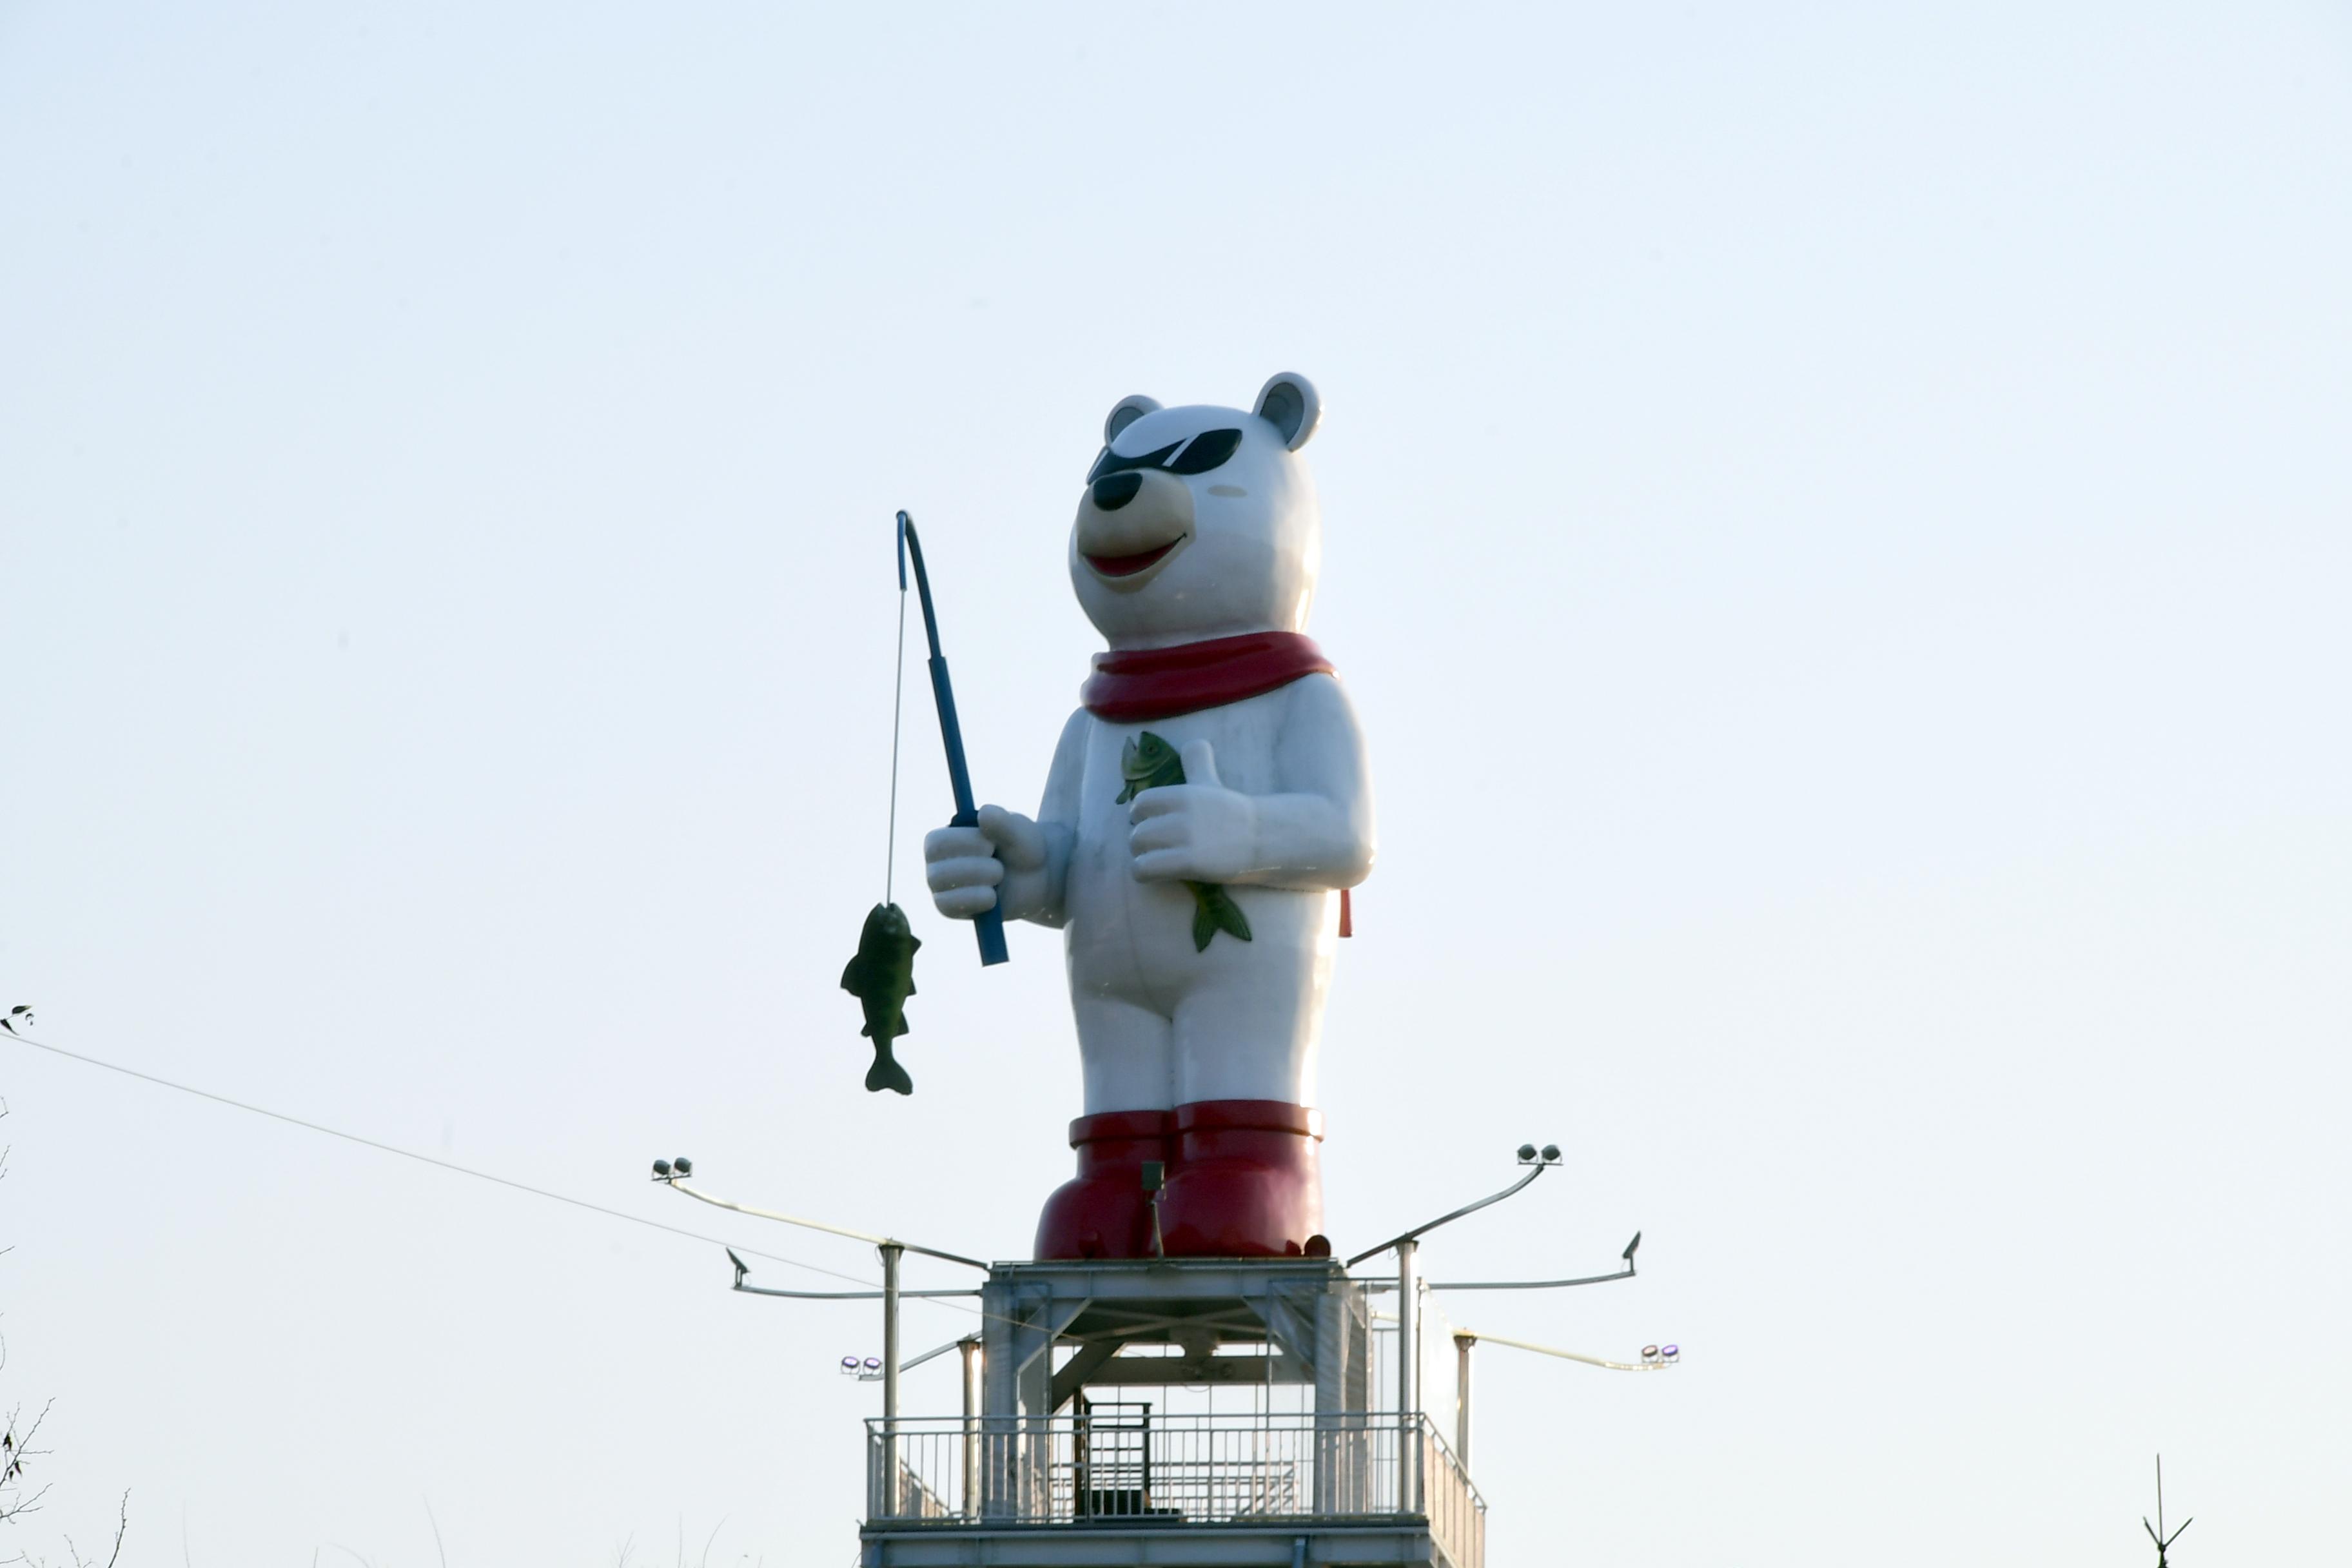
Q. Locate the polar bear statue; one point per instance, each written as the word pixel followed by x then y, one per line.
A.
pixel 1199 917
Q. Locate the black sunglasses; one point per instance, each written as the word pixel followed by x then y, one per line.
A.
pixel 1207 451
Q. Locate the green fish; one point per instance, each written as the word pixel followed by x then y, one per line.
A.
pixel 1149 763
pixel 882 976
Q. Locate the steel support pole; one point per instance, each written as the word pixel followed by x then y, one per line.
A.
pixel 970 1349
pixel 891 1252
pixel 1408 1376
pixel 1461 1344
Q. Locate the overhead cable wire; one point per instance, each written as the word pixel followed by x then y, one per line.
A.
pixel 424 1159
pixel 565 1198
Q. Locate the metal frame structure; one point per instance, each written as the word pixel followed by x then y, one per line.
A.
pixel 1022 1477
pixel 1410 1285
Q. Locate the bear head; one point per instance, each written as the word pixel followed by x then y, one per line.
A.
pixel 1199 521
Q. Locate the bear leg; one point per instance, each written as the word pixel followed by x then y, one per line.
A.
pixel 1103 1211
pixel 1247 1181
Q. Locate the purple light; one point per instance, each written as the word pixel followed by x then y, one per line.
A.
pixel 1672 1350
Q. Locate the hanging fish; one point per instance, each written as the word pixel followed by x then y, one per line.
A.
pixel 1150 763
pixel 882 976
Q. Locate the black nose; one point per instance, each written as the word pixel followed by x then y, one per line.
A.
pixel 1113 491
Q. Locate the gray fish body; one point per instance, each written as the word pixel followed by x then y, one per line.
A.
pixel 882 976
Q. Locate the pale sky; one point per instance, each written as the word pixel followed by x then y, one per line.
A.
pixel 1837 525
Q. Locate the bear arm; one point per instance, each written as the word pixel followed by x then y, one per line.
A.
pixel 1316 831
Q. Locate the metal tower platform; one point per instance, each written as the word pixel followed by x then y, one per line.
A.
pixel 1092 1432
pixel 1057 1460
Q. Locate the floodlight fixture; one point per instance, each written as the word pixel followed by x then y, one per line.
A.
pixel 1526 1153
pixel 684 1166
pixel 1631 1248
pixel 661 1170
pixel 1551 1153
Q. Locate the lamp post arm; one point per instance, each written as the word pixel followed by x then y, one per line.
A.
pixel 1564 1356
pixel 820 1224
pixel 1418 1231
pixel 844 1295
pixel 1631 1248
pixel 1624 1273
pixel 934 1353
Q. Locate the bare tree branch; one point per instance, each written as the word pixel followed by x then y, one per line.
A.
pixel 19 1440
pixel 16 1447
pixel 122 1525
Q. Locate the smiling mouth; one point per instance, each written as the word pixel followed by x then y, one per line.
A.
pixel 1129 566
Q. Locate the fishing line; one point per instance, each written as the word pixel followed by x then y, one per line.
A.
pixel 898 705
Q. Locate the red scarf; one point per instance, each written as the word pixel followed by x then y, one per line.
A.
pixel 1134 686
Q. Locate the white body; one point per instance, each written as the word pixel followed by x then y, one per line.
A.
pixel 1275 806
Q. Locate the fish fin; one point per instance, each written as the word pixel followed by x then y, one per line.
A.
pixel 853 976
pixel 1230 917
pixel 886 1073
pixel 1213 911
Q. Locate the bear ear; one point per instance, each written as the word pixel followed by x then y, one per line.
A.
pixel 1288 404
pixel 1125 412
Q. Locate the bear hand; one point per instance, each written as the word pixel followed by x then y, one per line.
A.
pixel 1197 831
pixel 965 865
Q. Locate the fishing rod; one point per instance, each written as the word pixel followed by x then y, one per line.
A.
pixel 988 925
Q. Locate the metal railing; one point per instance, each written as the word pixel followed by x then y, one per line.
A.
pixel 1123 1463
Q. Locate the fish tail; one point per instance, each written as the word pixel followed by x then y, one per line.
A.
pixel 886 1073
pixel 1214 911
pixel 1204 919
pixel 1230 917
